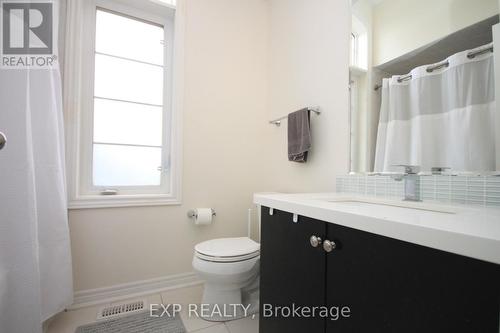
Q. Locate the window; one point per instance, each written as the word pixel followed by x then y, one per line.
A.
pixel 354 50
pixel 359 45
pixel 128 148
pixel 127 135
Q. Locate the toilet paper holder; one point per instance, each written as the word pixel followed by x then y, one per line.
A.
pixel 192 213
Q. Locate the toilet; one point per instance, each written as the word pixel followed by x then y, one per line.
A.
pixel 230 269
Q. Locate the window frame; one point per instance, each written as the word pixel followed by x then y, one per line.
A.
pixel 354 49
pixel 359 48
pixel 83 193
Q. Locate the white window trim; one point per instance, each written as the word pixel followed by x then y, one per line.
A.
pixel 354 49
pixel 79 64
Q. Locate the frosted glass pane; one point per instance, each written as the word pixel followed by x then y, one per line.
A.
pixel 126 165
pixel 128 80
pixel 127 123
pixel 130 38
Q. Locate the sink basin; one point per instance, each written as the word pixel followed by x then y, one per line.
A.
pixel 395 203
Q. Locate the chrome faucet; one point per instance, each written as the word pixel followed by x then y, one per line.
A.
pixel 412 182
pixel 439 170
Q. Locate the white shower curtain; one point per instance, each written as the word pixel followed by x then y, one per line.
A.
pixel 440 119
pixel 35 258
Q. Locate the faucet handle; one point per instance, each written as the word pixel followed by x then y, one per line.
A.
pixel 409 169
pixel 439 170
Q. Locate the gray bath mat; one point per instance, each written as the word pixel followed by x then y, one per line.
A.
pixel 137 323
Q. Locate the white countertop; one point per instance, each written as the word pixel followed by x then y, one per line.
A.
pixel 468 231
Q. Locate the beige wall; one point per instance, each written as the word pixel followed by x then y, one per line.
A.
pixel 401 26
pixel 246 61
pixel 224 117
pixel 309 56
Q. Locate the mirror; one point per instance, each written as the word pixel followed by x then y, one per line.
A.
pixel 422 86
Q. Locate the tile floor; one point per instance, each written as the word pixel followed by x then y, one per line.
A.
pixel 68 321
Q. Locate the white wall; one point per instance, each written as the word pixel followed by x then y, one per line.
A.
pixel 308 66
pixel 246 62
pixel 401 26
pixel 224 118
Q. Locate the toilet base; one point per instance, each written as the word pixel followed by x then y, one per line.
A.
pixel 231 304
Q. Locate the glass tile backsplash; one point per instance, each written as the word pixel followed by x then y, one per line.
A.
pixel 466 190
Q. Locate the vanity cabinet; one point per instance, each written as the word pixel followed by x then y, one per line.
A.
pixel 291 271
pixel 387 284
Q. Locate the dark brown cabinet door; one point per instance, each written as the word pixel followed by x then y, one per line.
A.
pixel 292 272
pixel 393 287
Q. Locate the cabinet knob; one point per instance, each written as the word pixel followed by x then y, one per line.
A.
pixel 315 241
pixel 329 246
pixel 3 140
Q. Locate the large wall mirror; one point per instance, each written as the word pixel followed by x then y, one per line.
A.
pixel 422 85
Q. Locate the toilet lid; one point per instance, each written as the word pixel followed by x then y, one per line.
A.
pixel 228 247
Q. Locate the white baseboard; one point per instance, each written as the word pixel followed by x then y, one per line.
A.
pixel 134 289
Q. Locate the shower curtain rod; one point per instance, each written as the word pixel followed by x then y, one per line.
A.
pixel 446 63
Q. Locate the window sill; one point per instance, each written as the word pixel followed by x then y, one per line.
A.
pixel 139 200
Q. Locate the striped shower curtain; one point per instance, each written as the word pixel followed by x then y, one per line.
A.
pixel 440 118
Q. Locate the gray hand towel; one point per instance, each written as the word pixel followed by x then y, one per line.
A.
pixel 299 135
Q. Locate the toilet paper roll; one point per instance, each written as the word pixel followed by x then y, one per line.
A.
pixel 203 216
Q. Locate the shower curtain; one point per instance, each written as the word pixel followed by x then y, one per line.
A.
pixel 443 118
pixel 35 259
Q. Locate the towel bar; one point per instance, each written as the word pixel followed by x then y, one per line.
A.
pixel 277 121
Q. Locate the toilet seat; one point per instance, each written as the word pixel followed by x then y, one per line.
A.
pixel 227 249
